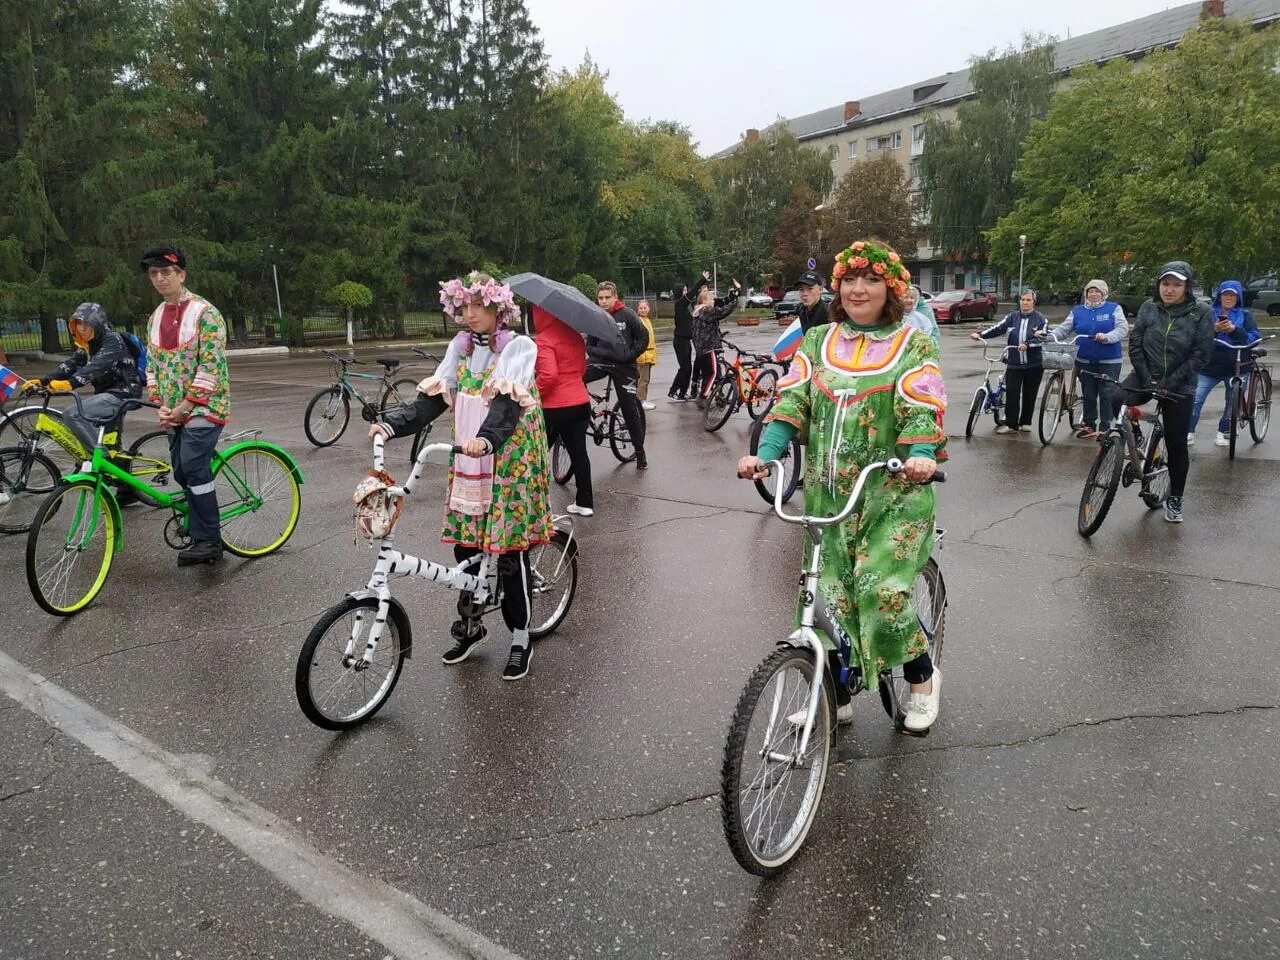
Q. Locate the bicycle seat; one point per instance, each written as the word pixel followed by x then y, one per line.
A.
pixel 389 362
pixel 1260 352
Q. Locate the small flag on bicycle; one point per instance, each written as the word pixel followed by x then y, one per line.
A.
pixel 789 342
pixel 9 382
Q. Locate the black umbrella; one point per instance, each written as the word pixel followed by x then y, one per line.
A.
pixel 567 304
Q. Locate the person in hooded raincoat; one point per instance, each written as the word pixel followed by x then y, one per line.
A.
pixel 1231 324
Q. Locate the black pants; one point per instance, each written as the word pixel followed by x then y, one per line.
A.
pixel 569 424
pixel 1175 415
pixel 517 585
pixel 704 372
pixel 191 455
pixel 624 378
pixel 684 357
pixel 918 670
pixel 1023 384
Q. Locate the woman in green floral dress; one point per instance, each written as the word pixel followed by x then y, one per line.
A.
pixel 862 388
pixel 498 489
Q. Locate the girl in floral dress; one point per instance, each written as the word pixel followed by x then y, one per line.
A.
pixel 498 490
pixel 864 388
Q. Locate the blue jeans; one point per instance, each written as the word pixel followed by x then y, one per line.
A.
pixel 1097 395
pixel 1204 386
pixel 191 454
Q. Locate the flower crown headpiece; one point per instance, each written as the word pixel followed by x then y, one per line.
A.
pixel 882 260
pixel 457 292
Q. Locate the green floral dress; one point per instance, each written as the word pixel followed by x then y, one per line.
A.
pixel 859 397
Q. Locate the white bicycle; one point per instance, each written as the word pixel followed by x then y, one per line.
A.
pixel 351 660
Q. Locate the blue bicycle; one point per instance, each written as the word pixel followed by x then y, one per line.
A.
pixel 987 399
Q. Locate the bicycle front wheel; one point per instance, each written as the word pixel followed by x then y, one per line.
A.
pixel 554 567
pixel 20 424
pixel 975 410
pixel 1101 485
pixel 762 393
pixel 768 795
pixel 931 611
pixel 720 404
pixel 70 547
pixel 1050 408
pixel 258 500
pixel 327 416
pixel 1260 415
pixel 27 477
pixel 1233 412
pixel 336 689
pixel 620 437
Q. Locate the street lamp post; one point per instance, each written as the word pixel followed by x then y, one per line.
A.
pixel 1022 250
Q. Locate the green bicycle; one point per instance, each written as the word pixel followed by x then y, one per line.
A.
pixel 79 528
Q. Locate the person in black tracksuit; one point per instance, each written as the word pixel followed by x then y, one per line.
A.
pixel 618 363
pixel 682 341
pixel 814 311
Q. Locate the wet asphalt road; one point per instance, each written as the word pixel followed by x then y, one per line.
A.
pixel 1102 781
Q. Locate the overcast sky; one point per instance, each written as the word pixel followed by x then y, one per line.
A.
pixel 722 66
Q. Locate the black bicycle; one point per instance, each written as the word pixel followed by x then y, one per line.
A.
pixel 607 425
pixel 1248 393
pixel 792 461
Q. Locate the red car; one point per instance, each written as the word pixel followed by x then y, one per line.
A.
pixel 957 306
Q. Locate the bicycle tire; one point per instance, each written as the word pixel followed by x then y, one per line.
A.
pixel 792 464
pixel 325 675
pixel 1260 415
pixel 403 392
pixel 337 410
pixel 554 566
pixel 975 410
pixel 74 504
pixel 740 812
pixel 1050 408
pixel 22 422
pixel 27 477
pixel 561 465
pixel 258 477
pixel 1154 494
pixel 145 454
pixel 1233 414
pixel 932 614
pixel 620 437
pixel 1100 485
pixel 762 394
pixel 721 402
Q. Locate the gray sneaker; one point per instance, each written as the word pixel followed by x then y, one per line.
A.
pixel 1173 509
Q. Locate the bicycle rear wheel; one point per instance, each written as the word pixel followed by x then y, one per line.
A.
pixel 327 416
pixel 975 410
pixel 1101 485
pixel 149 461
pixel 70 547
pixel 1050 408
pixel 402 393
pixel 792 466
pixel 561 465
pixel 1155 471
pixel 554 567
pixel 336 689
pixel 768 801
pixel 931 610
pixel 27 477
pixel 762 393
pixel 258 500
pixel 620 437
pixel 720 403
pixel 1260 416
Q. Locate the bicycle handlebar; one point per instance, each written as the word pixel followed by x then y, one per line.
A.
pixel 130 403
pixel 379 442
pixel 893 465
pixel 1155 391
pixel 333 356
pixel 1243 346
pixel 426 356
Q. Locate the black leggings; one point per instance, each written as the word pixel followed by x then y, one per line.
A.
pixel 918 670
pixel 570 424
pixel 517 585
pixel 1175 415
pixel 684 356
pixel 704 372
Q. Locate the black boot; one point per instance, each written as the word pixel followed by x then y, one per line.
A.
pixel 202 551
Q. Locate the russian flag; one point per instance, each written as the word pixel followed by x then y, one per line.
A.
pixel 789 342
pixel 9 382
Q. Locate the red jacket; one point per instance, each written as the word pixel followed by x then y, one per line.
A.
pixel 562 362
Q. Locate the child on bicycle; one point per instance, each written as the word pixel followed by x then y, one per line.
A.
pixel 498 485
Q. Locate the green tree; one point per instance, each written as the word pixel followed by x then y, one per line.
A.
pixel 1181 160
pixel 800 234
pixel 872 199
pixel 350 296
pixel 967 169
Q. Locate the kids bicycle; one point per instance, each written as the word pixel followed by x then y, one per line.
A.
pixel 753 384
pixel 987 399
pixel 79 527
pixel 779 745
pixel 352 658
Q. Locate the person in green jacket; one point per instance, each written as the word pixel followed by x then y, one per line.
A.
pixel 865 387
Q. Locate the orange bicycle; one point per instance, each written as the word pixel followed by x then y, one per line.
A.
pixel 751 382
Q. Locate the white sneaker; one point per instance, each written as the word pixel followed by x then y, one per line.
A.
pixel 1221 440
pixel 649 405
pixel 580 511
pixel 922 708
pixel 844 716
pixel 4 498
pixel 1191 439
pixel 1003 429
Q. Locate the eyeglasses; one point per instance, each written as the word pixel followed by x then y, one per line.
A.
pixel 165 272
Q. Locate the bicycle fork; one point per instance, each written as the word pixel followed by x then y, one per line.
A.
pixel 804 636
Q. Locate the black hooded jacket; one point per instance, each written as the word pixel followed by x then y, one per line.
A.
pixel 108 364
pixel 1171 345
pixel 684 308
pixel 633 340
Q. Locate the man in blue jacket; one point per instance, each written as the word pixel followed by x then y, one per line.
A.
pixel 1231 324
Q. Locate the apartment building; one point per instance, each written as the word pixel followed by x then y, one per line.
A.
pixel 893 122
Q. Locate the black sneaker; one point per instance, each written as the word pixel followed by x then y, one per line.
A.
pixel 463 643
pixel 1173 509
pixel 200 552
pixel 642 462
pixel 517 663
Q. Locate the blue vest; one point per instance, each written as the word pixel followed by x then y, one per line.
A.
pixel 1087 321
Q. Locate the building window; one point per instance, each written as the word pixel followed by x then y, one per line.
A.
pixel 959 278
pixel 915 174
pixel 917 139
pixel 937 281
pixel 853 149
pixel 891 141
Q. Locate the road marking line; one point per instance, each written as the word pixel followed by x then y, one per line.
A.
pixel 402 923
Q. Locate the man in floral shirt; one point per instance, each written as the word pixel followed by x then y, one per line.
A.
pixel 187 376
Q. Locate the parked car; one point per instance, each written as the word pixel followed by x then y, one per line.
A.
pixel 957 306
pixel 759 300
pixel 1268 302
pixel 789 305
pixel 1255 288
